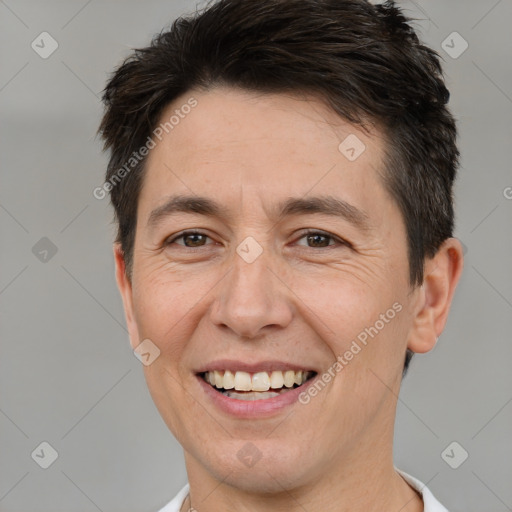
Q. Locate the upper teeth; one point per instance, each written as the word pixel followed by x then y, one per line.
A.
pixel 260 381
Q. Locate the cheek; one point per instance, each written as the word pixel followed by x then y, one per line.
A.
pixel 168 395
pixel 164 301
pixel 341 305
pixel 365 325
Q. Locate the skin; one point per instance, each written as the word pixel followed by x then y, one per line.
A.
pixel 301 300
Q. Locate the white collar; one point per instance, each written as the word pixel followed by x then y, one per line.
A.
pixel 430 504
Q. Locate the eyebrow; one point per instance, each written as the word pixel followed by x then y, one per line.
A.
pixel 326 205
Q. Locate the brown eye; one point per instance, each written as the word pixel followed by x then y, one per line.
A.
pixel 190 239
pixel 320 240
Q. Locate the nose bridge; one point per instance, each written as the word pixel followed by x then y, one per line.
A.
pixel 251 297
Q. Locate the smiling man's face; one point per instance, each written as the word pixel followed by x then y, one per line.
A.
pixel 254 292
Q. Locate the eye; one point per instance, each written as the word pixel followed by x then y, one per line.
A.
pixel 314 239
pixel 191 239
pixel 320 239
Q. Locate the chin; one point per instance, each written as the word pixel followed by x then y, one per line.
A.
pixel 269 470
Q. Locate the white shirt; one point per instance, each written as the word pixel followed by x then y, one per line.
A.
pixel 430 504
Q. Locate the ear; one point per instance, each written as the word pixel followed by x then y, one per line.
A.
pixel 125 288
pixel 442 273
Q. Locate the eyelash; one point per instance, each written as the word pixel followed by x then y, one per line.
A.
pixel 309 232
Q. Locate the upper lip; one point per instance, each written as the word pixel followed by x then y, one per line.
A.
pixel 263 366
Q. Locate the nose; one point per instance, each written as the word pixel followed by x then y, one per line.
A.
pixel 252 299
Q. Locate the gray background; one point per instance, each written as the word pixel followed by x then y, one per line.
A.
pixel 67 374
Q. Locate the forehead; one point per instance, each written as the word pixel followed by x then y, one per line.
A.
pixel 225 117
pixel 266 145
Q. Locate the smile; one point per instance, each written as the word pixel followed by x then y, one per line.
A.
pixel 262 385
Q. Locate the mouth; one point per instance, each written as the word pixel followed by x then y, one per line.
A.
pixel 263 385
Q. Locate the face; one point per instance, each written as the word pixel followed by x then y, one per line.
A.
pixel 289 254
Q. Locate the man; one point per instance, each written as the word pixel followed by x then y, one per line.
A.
pixel 281 173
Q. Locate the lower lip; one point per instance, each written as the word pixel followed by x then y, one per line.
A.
pixel 254 408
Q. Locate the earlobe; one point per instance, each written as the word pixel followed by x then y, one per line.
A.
pixel 125 289
pixel 442 273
